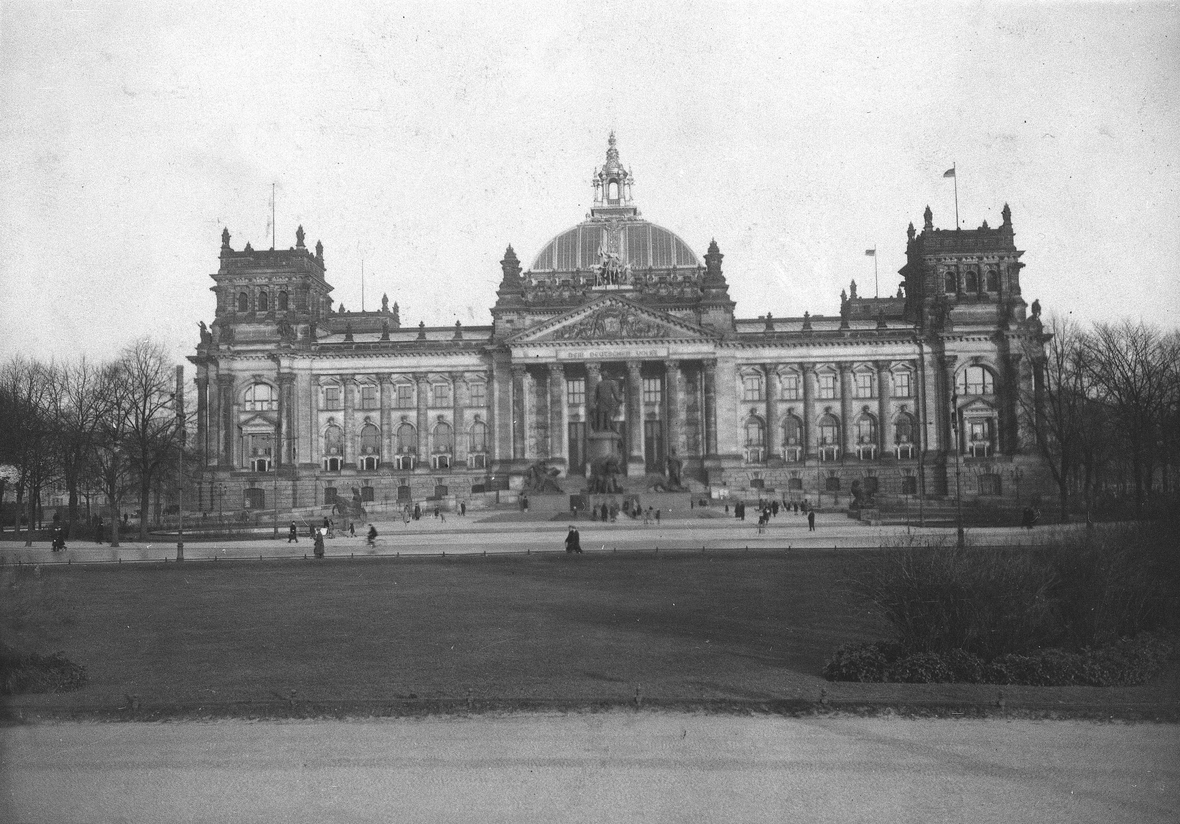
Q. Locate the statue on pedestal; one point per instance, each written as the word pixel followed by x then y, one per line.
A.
pixel 606 403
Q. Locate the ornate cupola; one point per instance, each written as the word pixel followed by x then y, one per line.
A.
pixel 612 186
pixel 507 313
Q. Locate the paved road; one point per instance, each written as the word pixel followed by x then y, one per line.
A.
pixel 475 534
pixel 616 767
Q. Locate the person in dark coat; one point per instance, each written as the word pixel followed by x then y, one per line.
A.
pixel 573 541
pixel 810 520
pixel 372 536
pixel 319 544
pixel 292 534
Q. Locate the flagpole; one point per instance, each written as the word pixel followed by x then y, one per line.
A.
pixel 956 177
pixel 272 215
pixel 876 290
pixel 362 284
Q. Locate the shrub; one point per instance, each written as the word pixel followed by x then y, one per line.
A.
pixel 1127 662
pixel 29 672
pixel 1084 591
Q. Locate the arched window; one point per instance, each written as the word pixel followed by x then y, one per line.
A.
pixel 755 431
pixel 370 440
pixel 613 190
pixel 903 429
pixel 283 302
pixel 262 302
pixel 260 397
pixel 976 380
pixel 792 431
pixel 444 439
pixel 479 437
pixel 829 431
pixel 866 430
pixel 407 439
pixel 333 440
pixel 992 282
pixel 950 283
pixel 243 302
pixel 972 281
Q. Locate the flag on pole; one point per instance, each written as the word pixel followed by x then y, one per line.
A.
pixel 949 173
pixel 870 252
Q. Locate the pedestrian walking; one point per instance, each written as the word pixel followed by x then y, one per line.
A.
pixel 292 534
pixel 573 541
pixel 811 520
pixel 462 508
pixel 657 516
pixel 372 536
pixel 318 549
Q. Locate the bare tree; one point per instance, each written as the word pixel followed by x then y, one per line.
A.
pixel 1128 364
pixel 152 429
pixel 80 401
pixel 26 421
pixel 1058 411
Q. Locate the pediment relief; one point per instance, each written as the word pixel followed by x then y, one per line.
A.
pixel 612 320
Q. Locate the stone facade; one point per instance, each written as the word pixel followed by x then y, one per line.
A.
pixel 302 400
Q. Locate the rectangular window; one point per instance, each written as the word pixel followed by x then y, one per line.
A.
pixel 827 386
pixel 791 387
pixel 575 391
pixel 864 385
pixel 752 388
pixel 366 494
pixel 442 394
pixel 653 390
pixel 405 396
pixel 368 397
pixel 332 397
pixel 902 385
pixel 478 394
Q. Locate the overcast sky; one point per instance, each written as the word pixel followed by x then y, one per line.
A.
pixel 424 138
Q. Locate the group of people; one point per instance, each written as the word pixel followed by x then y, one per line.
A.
pixel 768 509
pixel 609 513
pixel 318 533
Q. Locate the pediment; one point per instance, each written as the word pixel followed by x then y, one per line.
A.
pixel 978 406
pixel 612 319
pixel 257 422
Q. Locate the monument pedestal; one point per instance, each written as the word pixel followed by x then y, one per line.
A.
pixel 601 448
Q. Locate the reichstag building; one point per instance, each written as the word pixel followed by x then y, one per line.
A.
pixel 619 341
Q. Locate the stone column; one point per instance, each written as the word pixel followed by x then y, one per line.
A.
pixel 710 391
pixel 556 385
pixel 942 405
pixel 884 391
pixel 348 450
pixel 284 430
pixel 386 383
pixel 422 389
pixel 635 457
pixel 518 413
pixel 847 433
pixel 1012 423
pixel 500 409
pixel 773 431
pixel 536 418
pixel 673 400
pixel 225 387
pixel 458 400
pixel 315 450
pixel 202 415
pixel 810 430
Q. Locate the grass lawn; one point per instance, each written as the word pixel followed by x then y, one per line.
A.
pixel 581 630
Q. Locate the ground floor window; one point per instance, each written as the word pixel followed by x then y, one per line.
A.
pixel 255 499
pixel 366 493
pixel 832 484
pixel 909 485
pixel 989 484
pixel 404 495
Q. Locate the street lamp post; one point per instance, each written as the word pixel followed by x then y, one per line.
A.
pixel 958 469
pixel 180 493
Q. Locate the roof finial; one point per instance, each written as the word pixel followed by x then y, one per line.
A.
pixel 612 153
